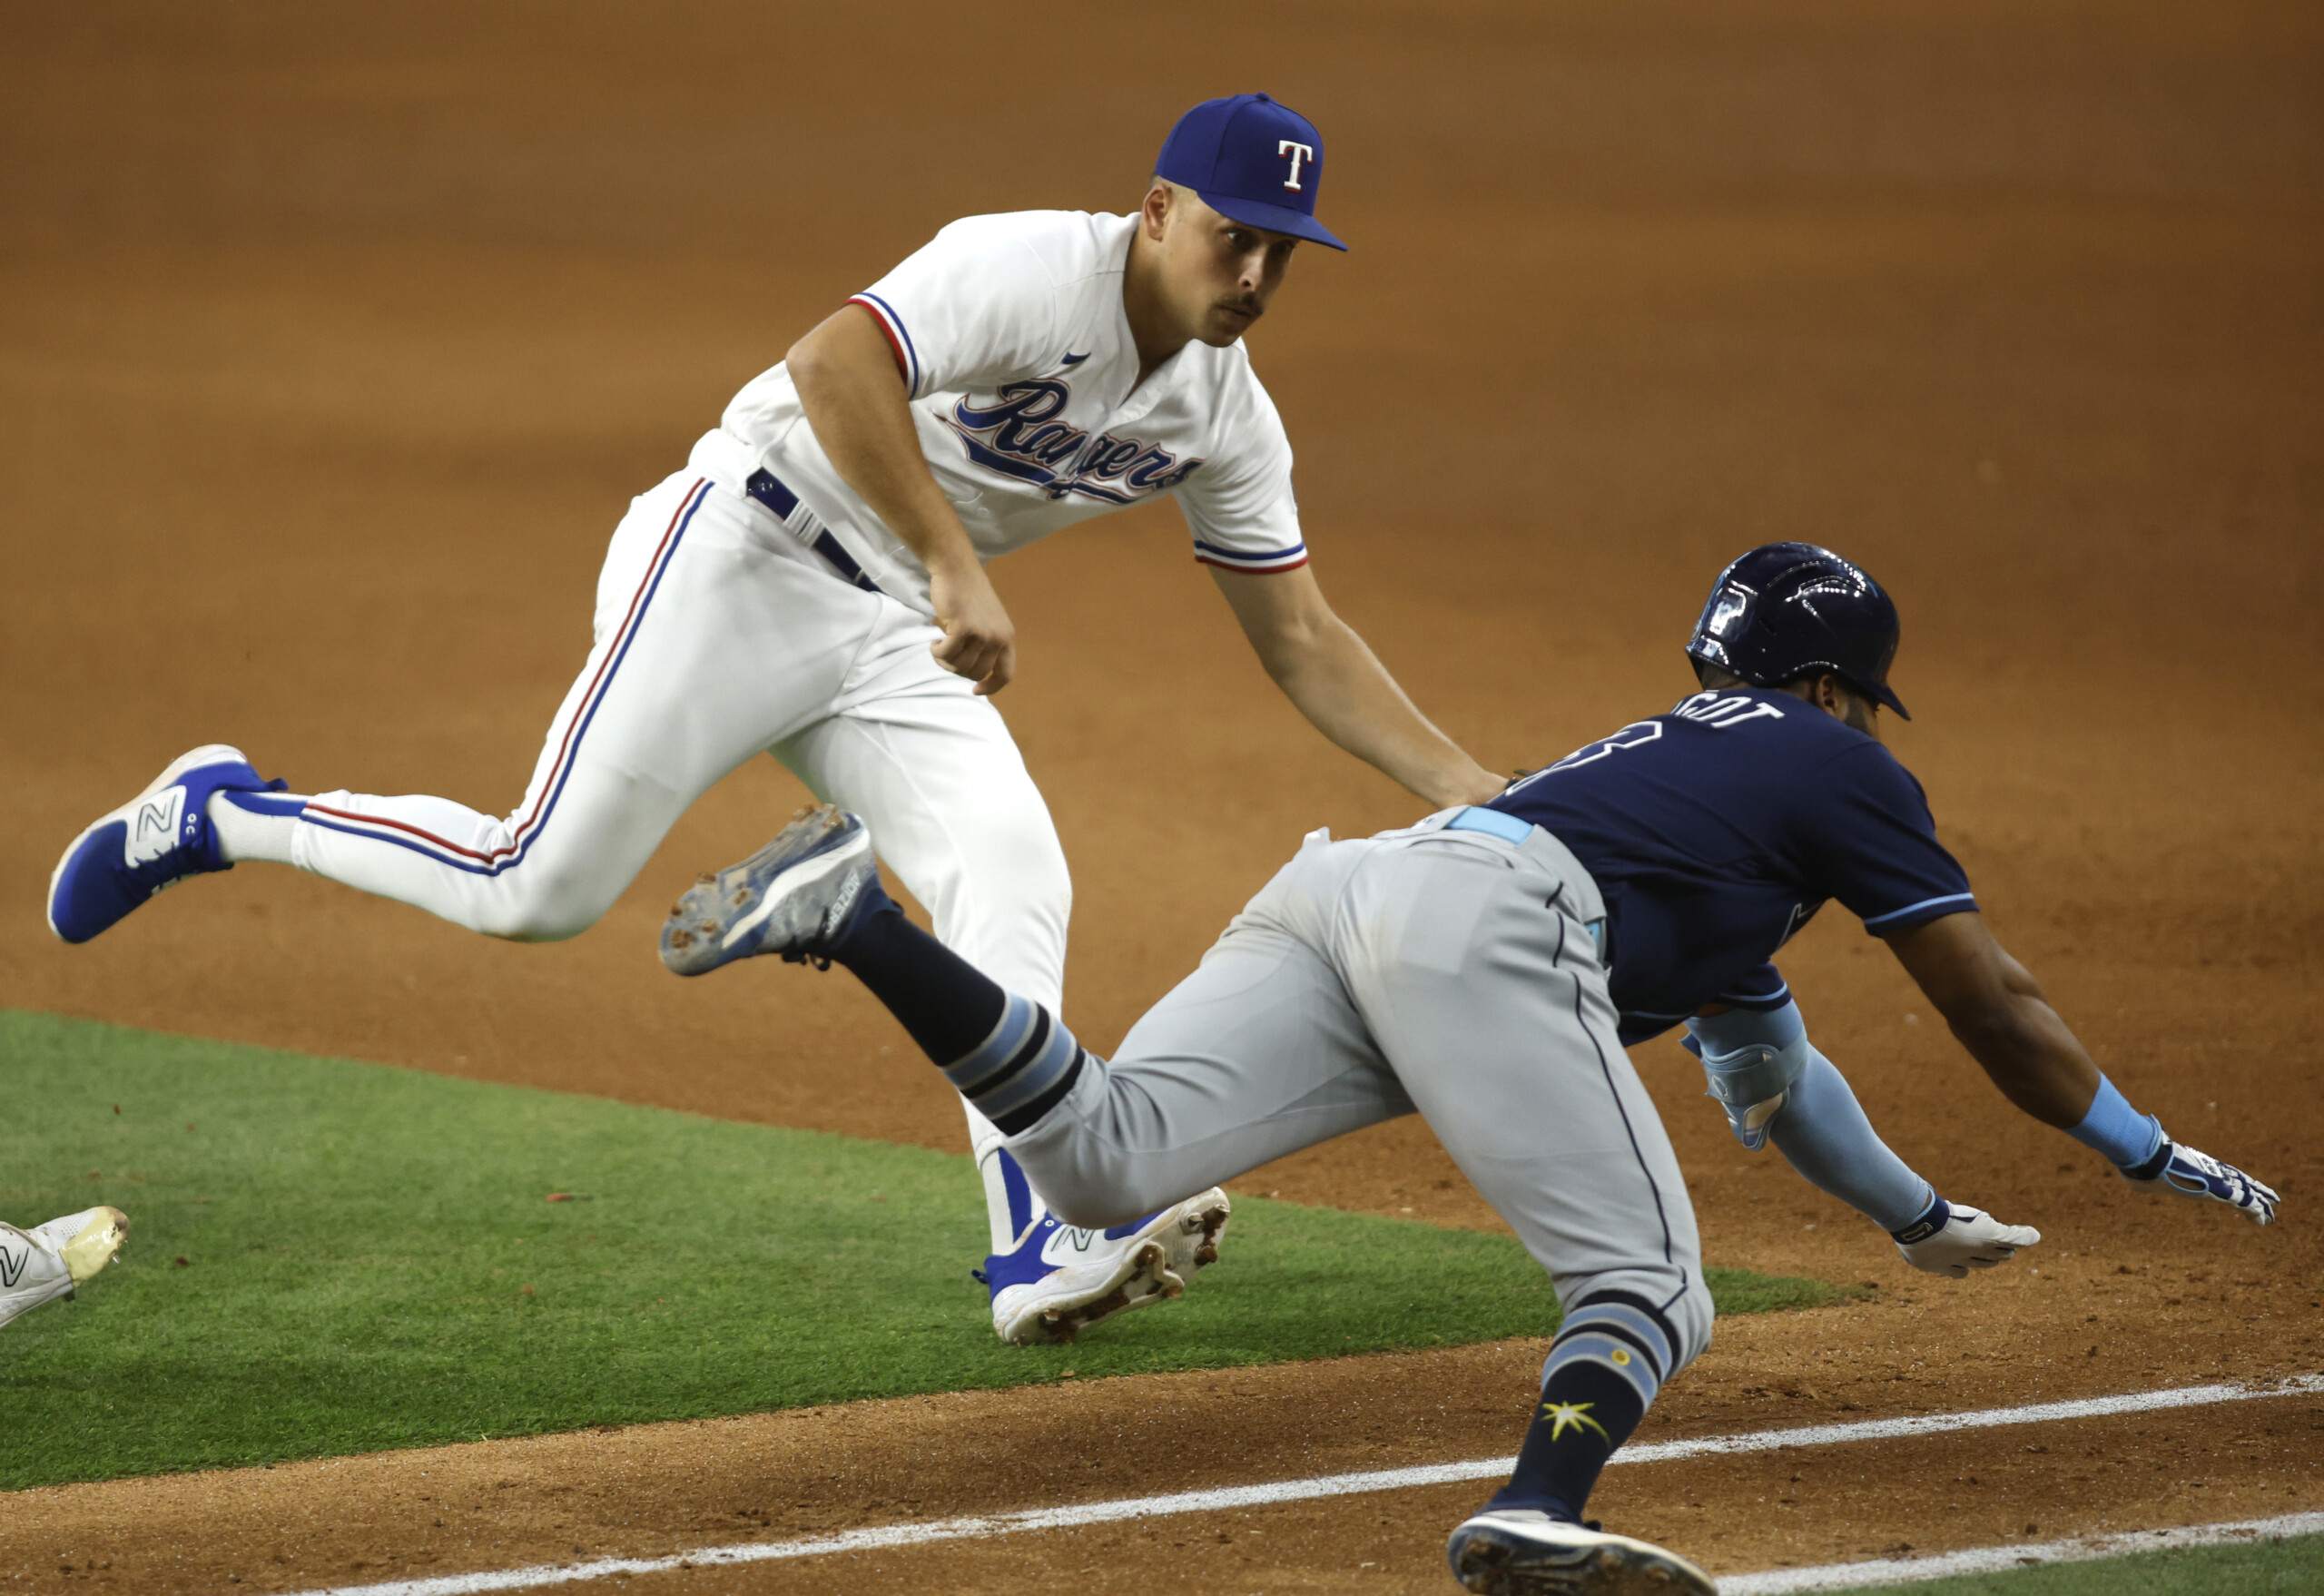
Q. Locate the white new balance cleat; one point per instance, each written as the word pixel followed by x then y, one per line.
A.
pixel 1952 1240
pixel 1060 1279
pixel 1523 1551
pixel 791 898
pixel 49 1261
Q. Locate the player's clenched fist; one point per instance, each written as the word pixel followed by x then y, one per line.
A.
pixel 979 640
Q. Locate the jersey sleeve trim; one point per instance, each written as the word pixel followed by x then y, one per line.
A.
pixel 1659 1021
pixel 1927 909
pixel 1757 1002
pixel 899 338
pixel 1263 560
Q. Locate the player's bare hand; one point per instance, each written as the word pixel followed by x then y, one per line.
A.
pixel 1479 785
pixel 1471 784
pixel 980 640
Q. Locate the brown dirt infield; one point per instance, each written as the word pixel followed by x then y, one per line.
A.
pixel 332 347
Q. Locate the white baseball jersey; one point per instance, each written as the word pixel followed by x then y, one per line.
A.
pixel 1011 334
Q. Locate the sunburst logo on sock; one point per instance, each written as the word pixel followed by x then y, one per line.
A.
pixel 1564 1416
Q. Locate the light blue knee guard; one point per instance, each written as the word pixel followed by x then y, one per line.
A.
pixel 1750 1061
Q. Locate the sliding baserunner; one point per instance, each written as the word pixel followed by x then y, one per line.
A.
pixel 1481 968
pixel 812 586
pixel 1724 826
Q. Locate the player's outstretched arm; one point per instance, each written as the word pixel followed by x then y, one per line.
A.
pixel 855 400
pixel 1997 1011
pixel 1343 690
pixel 1775 1085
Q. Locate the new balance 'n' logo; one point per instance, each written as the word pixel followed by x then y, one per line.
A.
pixel 153 829
pixel 13 1264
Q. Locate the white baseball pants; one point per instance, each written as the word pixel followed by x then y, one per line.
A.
pixel 718 637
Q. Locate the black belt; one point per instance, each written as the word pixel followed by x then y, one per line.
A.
pixel 769 490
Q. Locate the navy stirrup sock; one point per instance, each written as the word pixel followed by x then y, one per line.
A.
pixel 1603 1370
pixel 1007 1055
pixel 947 1004
pixel 1584 1414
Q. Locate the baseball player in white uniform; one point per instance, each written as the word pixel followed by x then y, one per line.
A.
pixel 812 586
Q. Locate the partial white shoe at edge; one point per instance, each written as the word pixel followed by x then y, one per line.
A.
pixel 1152 1265
pixel 1967 1240
pixel 52 1260
pixel 1521 1551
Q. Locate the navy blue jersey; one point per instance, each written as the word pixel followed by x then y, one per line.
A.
pixel 1717 830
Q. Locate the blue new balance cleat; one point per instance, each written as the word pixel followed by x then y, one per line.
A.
pixel 155 840
pixel 793 897
pixel 1060 1279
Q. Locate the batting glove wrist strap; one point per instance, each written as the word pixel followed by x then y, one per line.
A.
pixel 2181 1169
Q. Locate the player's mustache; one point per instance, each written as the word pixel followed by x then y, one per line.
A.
pixel 1251 305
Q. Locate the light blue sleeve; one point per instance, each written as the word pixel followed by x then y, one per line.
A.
pixel 1819 1127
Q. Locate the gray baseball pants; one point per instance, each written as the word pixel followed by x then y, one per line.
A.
pixel 1447 973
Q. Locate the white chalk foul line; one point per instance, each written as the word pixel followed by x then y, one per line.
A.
pixel 2096 1407
pixel 1995 1559
pixel 1225 1498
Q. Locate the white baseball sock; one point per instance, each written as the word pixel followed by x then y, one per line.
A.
pixel 255 826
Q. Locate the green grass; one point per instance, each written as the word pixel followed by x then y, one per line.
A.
pixel 2265 1568
pixel 328 1257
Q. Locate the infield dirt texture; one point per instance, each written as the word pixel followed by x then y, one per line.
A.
pixel 334 343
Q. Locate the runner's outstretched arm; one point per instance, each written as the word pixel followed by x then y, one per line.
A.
pixel 1997 1011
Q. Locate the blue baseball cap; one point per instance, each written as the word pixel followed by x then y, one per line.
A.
pixel 1252 160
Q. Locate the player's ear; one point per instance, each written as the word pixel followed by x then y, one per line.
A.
pixel 1827 693
pixel 1155 212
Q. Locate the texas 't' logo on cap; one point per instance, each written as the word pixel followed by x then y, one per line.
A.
pixel 1252 160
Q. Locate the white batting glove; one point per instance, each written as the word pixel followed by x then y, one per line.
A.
pixel 2181 1169
pixel 1962 1240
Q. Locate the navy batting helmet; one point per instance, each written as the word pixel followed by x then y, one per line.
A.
pixel 1789 610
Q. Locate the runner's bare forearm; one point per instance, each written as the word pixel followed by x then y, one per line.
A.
pixel 1996 1008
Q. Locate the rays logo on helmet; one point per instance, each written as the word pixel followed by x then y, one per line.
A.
pixel 1787 610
